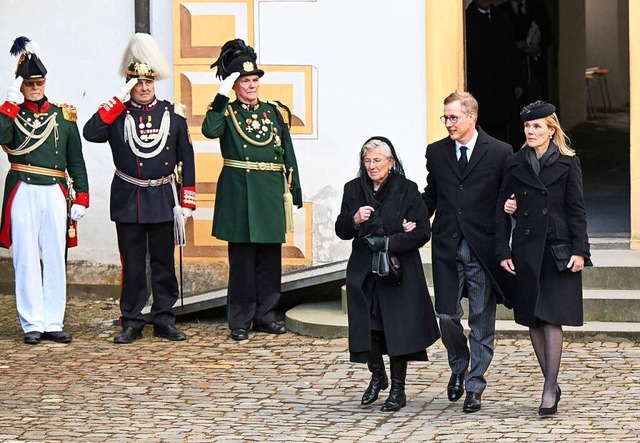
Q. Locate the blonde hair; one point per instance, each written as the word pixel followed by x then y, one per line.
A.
pixel 468 103
pixel 559 137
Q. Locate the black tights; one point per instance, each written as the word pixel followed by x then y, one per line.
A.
pixel 547 344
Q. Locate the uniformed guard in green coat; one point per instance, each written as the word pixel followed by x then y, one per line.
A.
pixel 40 211
pixel 255 191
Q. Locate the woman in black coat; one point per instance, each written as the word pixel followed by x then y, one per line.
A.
pixel 381 207
pixel 549 244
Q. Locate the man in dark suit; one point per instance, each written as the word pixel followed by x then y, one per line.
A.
pixel 465 171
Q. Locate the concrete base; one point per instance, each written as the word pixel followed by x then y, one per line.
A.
pixel 323 319
pixel 327 320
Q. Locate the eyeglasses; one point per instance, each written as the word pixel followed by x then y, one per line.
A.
pixel 452 118
pixel 33 83
pixel 375 161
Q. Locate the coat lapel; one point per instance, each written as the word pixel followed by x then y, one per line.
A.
pixel 479 151
pixel 553 172
pixel 525 174
pixel 450 154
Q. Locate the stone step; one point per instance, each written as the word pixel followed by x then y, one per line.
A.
pixel 599 305
pixel 613 269
pixel 327 320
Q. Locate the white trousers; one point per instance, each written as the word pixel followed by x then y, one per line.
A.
pixel 38 231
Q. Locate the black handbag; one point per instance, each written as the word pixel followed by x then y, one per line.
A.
pixel 562 255
pixel 388 265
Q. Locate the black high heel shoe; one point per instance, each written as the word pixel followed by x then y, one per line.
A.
pixel 546 412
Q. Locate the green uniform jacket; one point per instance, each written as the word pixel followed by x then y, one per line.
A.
pixel 249 204
pixel 66 154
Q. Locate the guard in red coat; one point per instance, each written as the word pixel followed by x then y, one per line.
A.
pixel 149 139
pixel 44 147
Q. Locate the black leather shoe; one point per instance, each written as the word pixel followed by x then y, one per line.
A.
pixel 169 332
pixel 127 335
pixel 455 388
pixel 57 336
pixel 33 337
pixel 239 334
pixel 472 402
pixel 270 328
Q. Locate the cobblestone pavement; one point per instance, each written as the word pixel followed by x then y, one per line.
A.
pixel 288 388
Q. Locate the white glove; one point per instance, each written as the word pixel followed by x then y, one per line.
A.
pixel 13 93
pixel 126 89
pixel 226 85
pixel 77 212
pixel 186 213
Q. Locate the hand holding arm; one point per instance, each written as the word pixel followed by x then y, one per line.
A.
pixel 511 205
pixel 408 226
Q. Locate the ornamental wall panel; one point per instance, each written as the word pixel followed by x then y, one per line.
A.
pixel 201 27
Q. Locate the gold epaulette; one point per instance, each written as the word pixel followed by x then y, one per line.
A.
pixel 180 109
pixel 69 112
pixel 283 110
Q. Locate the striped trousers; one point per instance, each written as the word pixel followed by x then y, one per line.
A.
pixel 475 355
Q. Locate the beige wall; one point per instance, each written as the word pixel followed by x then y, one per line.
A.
pixel 607 40
pixel 634 74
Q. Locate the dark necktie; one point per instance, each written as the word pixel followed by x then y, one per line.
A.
pixel 520 8
pixel 462 161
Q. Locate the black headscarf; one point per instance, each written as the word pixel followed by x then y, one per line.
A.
pixel 386 200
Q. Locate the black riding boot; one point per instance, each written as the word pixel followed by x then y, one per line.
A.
pixel 379 380
pixel 397 398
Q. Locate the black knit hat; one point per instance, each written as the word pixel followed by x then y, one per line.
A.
pixel 536 110
pixel 236 56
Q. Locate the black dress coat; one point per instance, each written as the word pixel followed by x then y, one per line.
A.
pixel 407 314
pixel 464 205
pixel 550 211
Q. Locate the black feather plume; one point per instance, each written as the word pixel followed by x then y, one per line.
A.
pixel 229 52
pixel 19 46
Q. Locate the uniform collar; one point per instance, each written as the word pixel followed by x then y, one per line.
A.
pixel 39 106
pixel 248 107
pixel 149 106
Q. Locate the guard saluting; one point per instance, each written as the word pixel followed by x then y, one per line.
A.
pixel 148 139
pixel 43 144
pixel 250 213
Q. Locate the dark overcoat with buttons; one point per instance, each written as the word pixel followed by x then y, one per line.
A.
pixel 406 311
pixel 249 204
pixel 550 211
pixel 131 203
pixel 464 205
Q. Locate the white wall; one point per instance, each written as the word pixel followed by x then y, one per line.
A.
pixel 370 61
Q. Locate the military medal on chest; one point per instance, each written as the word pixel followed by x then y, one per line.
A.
pixel 255 127
pixel 144 140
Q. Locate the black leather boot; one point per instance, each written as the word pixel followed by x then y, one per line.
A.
pixel 397 398
pixel 379 381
